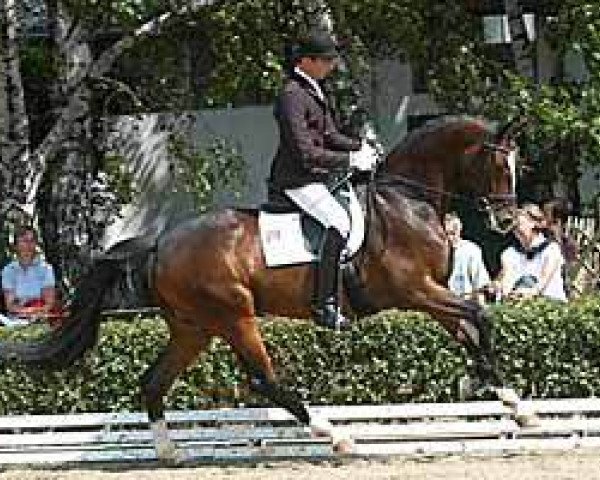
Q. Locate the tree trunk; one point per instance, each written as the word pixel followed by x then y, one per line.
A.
pixel 15 148
pixel 63 202
pixel 67 156
pixel 4 121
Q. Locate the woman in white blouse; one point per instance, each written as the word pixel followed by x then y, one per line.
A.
pixel 533 265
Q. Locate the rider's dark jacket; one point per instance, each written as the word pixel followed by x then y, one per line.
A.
pixel 310 146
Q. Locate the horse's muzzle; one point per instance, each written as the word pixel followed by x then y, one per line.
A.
pixel 501 214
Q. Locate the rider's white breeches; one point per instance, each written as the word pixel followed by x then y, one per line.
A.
pixel 320 204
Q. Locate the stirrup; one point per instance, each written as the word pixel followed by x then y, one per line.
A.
pixel 329 316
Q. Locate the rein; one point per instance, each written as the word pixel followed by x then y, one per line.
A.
pixel 391 180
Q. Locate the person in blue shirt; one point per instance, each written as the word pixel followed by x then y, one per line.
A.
pixel 28 282
pixel 468 274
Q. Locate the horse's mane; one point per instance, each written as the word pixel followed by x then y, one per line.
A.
pixel 419 140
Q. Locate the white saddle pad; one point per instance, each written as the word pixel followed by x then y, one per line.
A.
pixel 283 241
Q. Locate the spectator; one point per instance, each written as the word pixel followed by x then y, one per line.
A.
pixel 533 265
pixel 557 213
pixel 28 283
pixel 468 276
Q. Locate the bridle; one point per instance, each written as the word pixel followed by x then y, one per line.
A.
pixel 378 177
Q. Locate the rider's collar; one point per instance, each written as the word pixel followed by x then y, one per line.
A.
pixel 311 81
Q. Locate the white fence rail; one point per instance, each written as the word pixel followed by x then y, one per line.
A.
pixel 253 434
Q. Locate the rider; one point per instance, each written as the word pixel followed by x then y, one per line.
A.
pixel 311 152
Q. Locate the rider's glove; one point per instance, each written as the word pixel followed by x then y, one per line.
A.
pixel 364 159
pixel 371 137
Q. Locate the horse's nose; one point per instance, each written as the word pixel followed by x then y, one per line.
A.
pixel 505 217
pixel 505 223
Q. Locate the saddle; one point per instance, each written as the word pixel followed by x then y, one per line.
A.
pixel 289 236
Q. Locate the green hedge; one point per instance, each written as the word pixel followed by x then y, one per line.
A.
pixel 546 350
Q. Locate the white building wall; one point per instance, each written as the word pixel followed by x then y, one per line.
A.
pixel 143 140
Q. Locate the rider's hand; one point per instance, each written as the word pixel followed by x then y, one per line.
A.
pixel 364 159
pixel 372 139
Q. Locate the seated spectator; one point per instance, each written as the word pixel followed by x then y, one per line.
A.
pixel 468 275
pixel 533 265
pixel 28 283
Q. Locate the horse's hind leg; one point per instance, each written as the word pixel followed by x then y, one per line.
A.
pixel 248 345
pixel 184 346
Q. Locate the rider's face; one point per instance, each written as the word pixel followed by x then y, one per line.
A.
pixel 318 67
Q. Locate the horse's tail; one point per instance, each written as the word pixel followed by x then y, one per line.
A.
pixel 80 330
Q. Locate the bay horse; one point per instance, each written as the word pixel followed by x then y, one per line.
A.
pixel 209 276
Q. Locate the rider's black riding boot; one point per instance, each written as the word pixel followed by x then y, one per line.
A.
pixel 326 309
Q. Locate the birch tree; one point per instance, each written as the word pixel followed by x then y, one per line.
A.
pixel 65 156
pixel 15 168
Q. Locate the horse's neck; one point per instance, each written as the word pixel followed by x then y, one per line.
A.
pixel 424 178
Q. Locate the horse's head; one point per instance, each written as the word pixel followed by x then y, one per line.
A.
pixel 501 200
pixel 470 160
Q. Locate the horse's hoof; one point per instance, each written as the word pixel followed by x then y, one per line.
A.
pixel 345 446
pixel 470 388
pixel 508 396
pixel 169 454
pixel 320 427
pixel 526 416
pixel 528 421
pixel 342 443
pixel 466 388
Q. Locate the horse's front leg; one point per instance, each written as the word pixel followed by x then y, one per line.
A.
pixel 479 341
pixel 474 332
pixel 470 325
